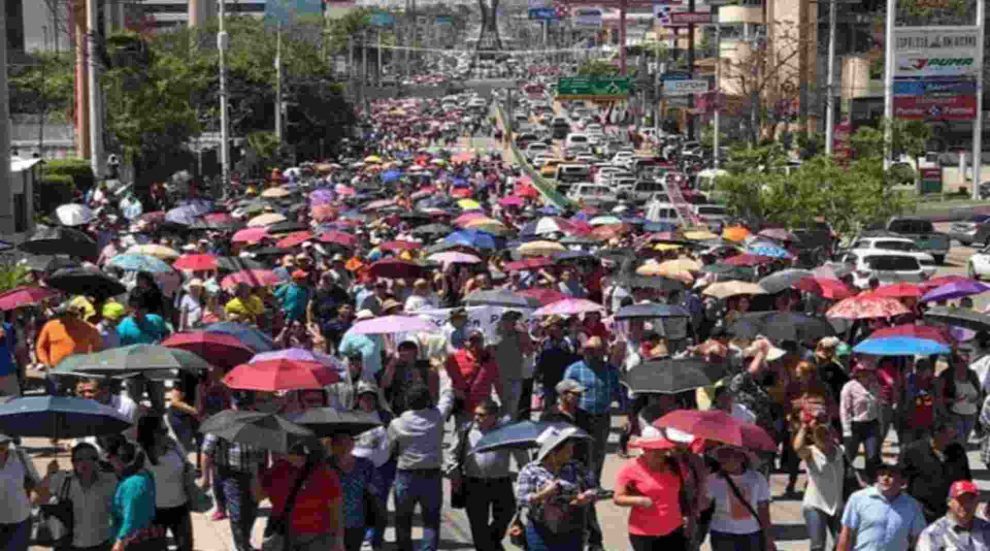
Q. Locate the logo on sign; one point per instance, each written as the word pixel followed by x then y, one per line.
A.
pixel 920 63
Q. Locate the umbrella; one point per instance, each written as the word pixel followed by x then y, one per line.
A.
pixel 547 225
pixel 475 239
pixel 338 238
pixel 726 289
pixel 266 219
pixel 196 262
pixel 521 435
pixel 954 290
pixel 60 240
pixel 569 307
pixel 959 317
pixel 252 278
pixel 778 234
pixel 670 376
pixel 431 230
pixel 783 280
pixel 866 307
pixel 606 220
pixel 512 201
pixel 139 263
pixel 681 264
pixel 372 159
pixel 747 260
pixel 939 281
pixel 250 235
pixel 699 235
pixel 183 216
pixel 396 269
pixel 900 346
pixel 500 297
pixel 781 326
pixel 487 225
pixel 24 296
pixel 266 431
pixel 937 334
pixel 650 310
pixel 540 248
pixel 287 226
pixel 328 421
pixel 275 193
pixel 392 324
pixel 828 288
pixel 294 239
pixel 249 336
pixel 134 359
pixel 763 249
pixel 728 271
pixel 237 264
pixel 160 252
pixel 400 245
pixel 718 426
pixel 543 296
pixel 468 204
pixel 297 354
pixel 453 257
pixel 73 214
pixel 59 417
pixel 645 282
pixel 48 263
pixel 217 348
pixel 896 290
pixel 735 233
pixel 278 375
pixel 85 281
pixel 531 263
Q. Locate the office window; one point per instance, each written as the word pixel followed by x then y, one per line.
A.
pixel 20 213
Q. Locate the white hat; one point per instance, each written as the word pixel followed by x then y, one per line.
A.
pixel 364 315
pixel 551 438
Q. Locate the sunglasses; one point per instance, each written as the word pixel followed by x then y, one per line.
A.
pixel 82 458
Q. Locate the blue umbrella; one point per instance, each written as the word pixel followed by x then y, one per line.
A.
pixel 470 238
pixel 139 263
pixel 59 417
pixel 250 336
pixel 184 216
pixel 199 206
pixel 768 250
pixel 521 435
pixel 900 346
pixel 390 176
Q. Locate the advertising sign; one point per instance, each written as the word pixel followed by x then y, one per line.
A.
pixel 382 19
pixel 543 14
pixel 935 108
pixel 684 87
pixel 688 17
pixel 593 88
pixel 287 12
pixel 954 63
pixel 932 41
pixel 675 75
pixel 933 86
pixel 931 180
pixel 587 17
pixel 444 20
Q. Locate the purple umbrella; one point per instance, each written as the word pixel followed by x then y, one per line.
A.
pixel 955 289
pixel 320 197
pixel 298 354
pixel 184 216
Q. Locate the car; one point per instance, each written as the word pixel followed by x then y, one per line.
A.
pixel 591 194
pixel 575 138
pixel 571 173
pixel 711 214
pixel 978 265
pixel 662 212
pixel 885 266
pixel 644 189
pixel 975 230
pixel 535 148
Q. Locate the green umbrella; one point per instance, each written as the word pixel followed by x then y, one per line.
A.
pixel 144 359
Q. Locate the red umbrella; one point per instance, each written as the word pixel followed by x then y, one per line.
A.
pixel 25 296
pixel 218 218
pixel 533 263
pixel 718 426
pixel 747 259
pixel 397 246
pixel 338 238
pixel 866 307
pixel 545 296
pixel 824 287
pixel 461 192
pixel 254 278
pixel 910 330
pixel 196 262
pixel 395 268
pixel 293 239
pixel 897 290
pixel 249 235
pixel 512 201
pixel 526 191
pixel 217 348
pixel 276 375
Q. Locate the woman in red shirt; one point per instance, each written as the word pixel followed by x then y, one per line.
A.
pixel 473 371
pixel 650 486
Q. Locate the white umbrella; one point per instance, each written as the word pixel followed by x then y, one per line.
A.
pixel 73 214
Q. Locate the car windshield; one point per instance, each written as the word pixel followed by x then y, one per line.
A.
pixel 894 245
pixel 893 263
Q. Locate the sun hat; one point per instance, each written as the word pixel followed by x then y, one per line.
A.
pixel 362 315
pixel 553 437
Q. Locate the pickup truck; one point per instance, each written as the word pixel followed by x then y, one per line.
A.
pixel 924 235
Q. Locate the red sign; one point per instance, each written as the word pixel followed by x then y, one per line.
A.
pixel 840 140
pixel 688 17
pixel 935 108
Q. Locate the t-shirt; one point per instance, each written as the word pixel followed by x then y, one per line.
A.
pixel 13 473
pixel 731 516
pixel 248 310
pixel 663 488
pixel 150 330
pixel 193 310
pixel 7 341
pixel 169 475
pixel 90 507
pixel 311 513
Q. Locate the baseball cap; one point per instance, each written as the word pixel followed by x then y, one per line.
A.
pixel 568 385
pixel 962 487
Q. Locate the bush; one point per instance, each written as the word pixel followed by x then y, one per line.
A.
pixel 78 171
pixel 53 190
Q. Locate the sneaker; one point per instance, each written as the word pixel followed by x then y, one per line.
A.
pixel 218 515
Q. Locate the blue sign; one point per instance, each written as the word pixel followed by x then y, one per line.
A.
pixel 382 19
pixel 675 75
pixel 444 20
pixel 934 87
pixel 287 12
pixel 543 14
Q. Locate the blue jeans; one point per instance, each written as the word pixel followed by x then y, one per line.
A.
pixel 722 541
pixel 541 539
pixel 376 534
pixel 241 506
pixel 818 524
pixel 15 537
pixel 868 434
pixel 964 425
pixel 425 488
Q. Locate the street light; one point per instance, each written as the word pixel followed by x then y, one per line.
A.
pixel 222 42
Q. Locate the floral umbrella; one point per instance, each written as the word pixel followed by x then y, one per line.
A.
pixel 867 307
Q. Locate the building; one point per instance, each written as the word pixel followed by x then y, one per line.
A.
pixel 17 210
pixel 164 14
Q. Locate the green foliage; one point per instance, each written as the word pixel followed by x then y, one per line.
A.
pixel 53 190
pixel 351 24
pixel 13 276
pixel 908 138
pixel 264 148
pixel 78 171
pixel 597 68
pixel 43 84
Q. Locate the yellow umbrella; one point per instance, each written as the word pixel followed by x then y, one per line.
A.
pixel 735 233
pixel 664 247
pixel 540 248
pixel 489 225
pixel 373 159
pixel 469 204
pixel 699 235
pixel 160 252
pixel 725 289
pixel 266 219
pixel 275 192
pixel 681 264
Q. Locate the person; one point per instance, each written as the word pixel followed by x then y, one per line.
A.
pixel 66 335
pixel 358 480
pixel 859 412
pixel 191 306
pixel 415 437
pixel 455 331
pixel 294 296
pixel 473 372
pixel 650 485
pixel 931 465
pixel 421 298
pixel 830 370
pixel 168 467
pixel 962 394
pixel 891 384
pixel 97 388
pixel 132 512
pixel 960 528
pixel 881 517
pixel 316 521
pixel 89 490
pixel 370 347
pixel 510 349
pixel 245 306
pixel 566 410
pixel 373 444
pixel 404 370
pixel 17 480
pixel 485 478
pixel 142 326
pixel 112 312
pixel 553 491
pixel 741 518
pixel 149 293
pixel 556 353
pixel 920 403
pixel 816 444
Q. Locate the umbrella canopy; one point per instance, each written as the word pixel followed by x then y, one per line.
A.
pixel 828 288
pixel 395 268
pixel 718 426
pixel 764 249
pixel 606 220
pixel 521 435
pixel 569 307
pixel 726 289
pixel 939 281
pixel 547 225
pixel 670 376
pixel 651 311
pixel 488 225
pixel 278 375
pixel 699 235
pixel 896 290
pixel 85 281
pixel 287 226
pixel 543 296
pixel 326 422
pixel 735 233
pixel 722 269
pixel 183 216
pixel 25 296
pixel 500 297
pixel 73 214
pixel 900 346
pixel 59 417
pixel 252 337
pixel 294 239
pixel 250 235
pixel 338 238
pixel 778 234
pixel 132 360
pixel 645 282
pixel 781 326
pixel 959 317
pixel 473 238
pixel 48 263
pixel 275 193
pixel 747 260
pixel 937 334
pixel 400 245
pixel 783 280
pixel 139 263
pixel 540 248
pixel 266 219
pixel 158 251
pixel 297 354
pixel 531 263
pixel 955 289
pixel 216 348
pixel 237 264
pixel 681 264
pixel 60 240
pixel 266 431
pixel 252 278
pixel 431 230
pixel 866 307
pixel 392 324
pixel 453 257
pixel 196 262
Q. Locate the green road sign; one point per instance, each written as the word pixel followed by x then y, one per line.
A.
pixel 593 88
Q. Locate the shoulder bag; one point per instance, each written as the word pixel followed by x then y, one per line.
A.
pixel 276 531
pixel 749 508
pixel 52 526
pixel 458 491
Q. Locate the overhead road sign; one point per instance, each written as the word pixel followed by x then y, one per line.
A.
pixel 543 14
pixel 593 88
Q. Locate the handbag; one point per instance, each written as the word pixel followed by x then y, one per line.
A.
pixel 52 525
pixel 458 490
pixel 197 499
pixel 275 536
pixel 517 531
pixel 749 508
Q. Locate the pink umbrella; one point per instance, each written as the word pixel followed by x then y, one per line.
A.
pixel 454 257
pixel 338 237
pixel 250 235
pixel 254 278
pixel 24 296
pixel 467 217
pixel 545 296
pixel 392 324
pixel 512 201
pixel 866 307
pixel 569 307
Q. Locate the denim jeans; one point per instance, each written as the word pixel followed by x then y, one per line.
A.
pixel 510 396
pixel 964 425
pixel 818 524
pixel 489 511
pixel 865 433
pixel 541 539
pixel 425 488
pixel 376 534
pixel 241 506
pixel 178 521
pixel 601 426
pixel 15 537
pixel 723 541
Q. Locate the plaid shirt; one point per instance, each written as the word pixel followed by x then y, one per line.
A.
pixel 574 478
pixel 234 456
pixel 601 386
pixel 945 535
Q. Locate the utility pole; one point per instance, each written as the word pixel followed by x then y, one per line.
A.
pixel 350 57
pixel 830 81
pixel 278 84
pixel 93 79
pixel 6 201
pixel 81 80
pixel 222 41
pixel 622 36
pixel 717 112
pixel 978 123
pixel 888 84
pixel 690 70
pixel 378 67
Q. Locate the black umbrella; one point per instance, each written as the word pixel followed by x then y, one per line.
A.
pixel 500 297
pixel 86 281
pixel 218 225
pixel 266 431
pixel 783 280
pixel 522 435
pixel 60 240
pixel 432 230
pixel 648 282
pixel 781 326
pixel 149 359
pixel 415 216
pixel 268 251
pixel 651 310
pixel 48 263
pixel 59 417
pixel 959 317
pixel 236 264
pixel 670 376
pixel 328 421
pixel 287 227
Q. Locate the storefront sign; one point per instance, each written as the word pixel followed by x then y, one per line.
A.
pixel 935 108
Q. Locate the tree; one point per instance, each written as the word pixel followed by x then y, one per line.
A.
pixel 597 68
pixel 341 29
pixel 43 85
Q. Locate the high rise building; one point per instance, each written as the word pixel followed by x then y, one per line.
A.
pixel 164 14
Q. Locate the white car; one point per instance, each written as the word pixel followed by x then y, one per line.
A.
pixel 978 265
pixel 900 245
pixel 886 266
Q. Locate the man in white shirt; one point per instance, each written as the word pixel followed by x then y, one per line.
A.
pixel 98 389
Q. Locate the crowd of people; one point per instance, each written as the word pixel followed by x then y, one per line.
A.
pixel 529 302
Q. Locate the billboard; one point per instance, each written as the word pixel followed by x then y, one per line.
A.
pixel 684 87
pixel 933 41
pixel 287 12
pixel 935 108
pixel 954 63
pixel 933 86
pixel 587 17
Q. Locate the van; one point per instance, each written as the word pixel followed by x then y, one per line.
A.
pixel 571 173
pixel 658 211
pixel 559 128
pixel 643 189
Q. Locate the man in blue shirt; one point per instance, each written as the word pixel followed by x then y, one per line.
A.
pixel 294 296
pixel 143 328
pixel 881 517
